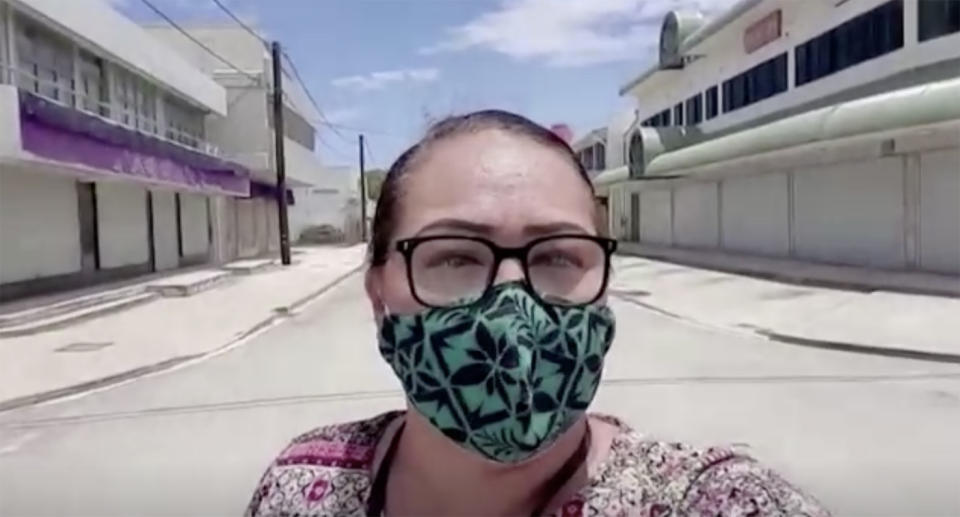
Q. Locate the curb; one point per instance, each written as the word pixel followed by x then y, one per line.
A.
pixel 278 314
pixel 859 348
pixel 825 344
pixel 875 280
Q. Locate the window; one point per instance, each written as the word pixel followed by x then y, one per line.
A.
pixel 869 35
pixel 937 18
pixel 678 114
pixel 183 123
pixel 756 84
pixel 712 106
pixel 665 118
pixel 44 63
pixel 92 90
pixel 694 109
pixel 586 158
pixel 600 156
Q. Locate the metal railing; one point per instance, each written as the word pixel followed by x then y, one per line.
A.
pixel 127 118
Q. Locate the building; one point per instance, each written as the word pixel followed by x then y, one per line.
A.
pixel 819 131
pixel 249 227
pixel 591 150
pixel 106 170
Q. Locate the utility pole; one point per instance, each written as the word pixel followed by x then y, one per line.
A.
pixel 281 163
pixel 363 195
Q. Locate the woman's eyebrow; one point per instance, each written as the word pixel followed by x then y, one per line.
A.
pixel 457 225
pixel 550 228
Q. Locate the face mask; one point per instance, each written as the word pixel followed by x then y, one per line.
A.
pixel 504 376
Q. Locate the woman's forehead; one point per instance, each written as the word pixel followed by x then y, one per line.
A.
pixel 498 179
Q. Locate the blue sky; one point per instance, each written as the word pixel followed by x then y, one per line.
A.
pixel 390 66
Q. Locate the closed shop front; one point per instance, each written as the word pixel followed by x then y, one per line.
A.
pixel 194 228
pixel 165 236
pixel 122 226
pixel 38 224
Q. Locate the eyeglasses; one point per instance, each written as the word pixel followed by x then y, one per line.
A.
pixel 453 271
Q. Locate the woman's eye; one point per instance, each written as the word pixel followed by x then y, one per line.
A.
pixel 454 261
pixel 555 259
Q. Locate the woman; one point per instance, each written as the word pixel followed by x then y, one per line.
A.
pixel 487 279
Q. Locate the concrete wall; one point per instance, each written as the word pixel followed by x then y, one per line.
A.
pixel 695 214
pixel 194 224
pixel 655 214
pixel 755 215
pixel 894 212
pixel 122 224
pixel 39 226
pixel 851 213
pixel 165 230
pixel 940 211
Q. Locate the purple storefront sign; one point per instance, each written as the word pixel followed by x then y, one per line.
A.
pixel 63 134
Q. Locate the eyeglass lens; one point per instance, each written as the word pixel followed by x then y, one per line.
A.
pixel 456 271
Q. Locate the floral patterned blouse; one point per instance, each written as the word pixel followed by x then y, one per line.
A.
pixel 328 472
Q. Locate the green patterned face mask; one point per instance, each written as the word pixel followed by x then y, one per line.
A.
pixel 504 376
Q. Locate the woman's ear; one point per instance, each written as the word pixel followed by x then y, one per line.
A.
pixel 373 283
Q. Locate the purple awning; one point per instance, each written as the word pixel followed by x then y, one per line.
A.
pixel 63 134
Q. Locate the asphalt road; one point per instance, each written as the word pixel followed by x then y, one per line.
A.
pixel 866 435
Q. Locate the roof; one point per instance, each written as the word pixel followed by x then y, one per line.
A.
pixel 594 136
pixel 699 36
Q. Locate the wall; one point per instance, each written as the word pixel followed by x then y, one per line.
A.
pixel 851 213
pixel 754 214
pixel 39 226
pixel 655 216
pixel 122 224
pixel 940 211
pixel 243 134
pixel 898 212
pixel 696 207
pixel 194 224
pixel 165 230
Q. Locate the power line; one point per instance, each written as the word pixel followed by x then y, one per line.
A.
pixel 240 22
pixel 323 118
pixel 293 66
pixel 189 36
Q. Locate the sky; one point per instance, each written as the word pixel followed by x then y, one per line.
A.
pixel 389 67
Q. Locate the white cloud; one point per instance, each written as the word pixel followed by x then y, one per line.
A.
pixel 342 115
pixel 569 32
pixel 380 80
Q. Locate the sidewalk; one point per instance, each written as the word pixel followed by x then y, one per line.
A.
pixel 871 321
pixel 164 332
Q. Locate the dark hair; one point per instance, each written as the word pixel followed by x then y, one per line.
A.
pixel 384 219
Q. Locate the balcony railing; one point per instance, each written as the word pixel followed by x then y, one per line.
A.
pixel 130 119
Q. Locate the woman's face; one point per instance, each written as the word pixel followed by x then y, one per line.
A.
pixel 492 184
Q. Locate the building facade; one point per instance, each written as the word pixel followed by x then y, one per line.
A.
pixel 249 227
pixel 106 170
pixel 817 131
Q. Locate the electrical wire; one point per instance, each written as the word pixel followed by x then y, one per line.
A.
pixel 189 36
pixel 293 66
pixel 240 22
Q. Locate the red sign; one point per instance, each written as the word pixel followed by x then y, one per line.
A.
pixel 763 31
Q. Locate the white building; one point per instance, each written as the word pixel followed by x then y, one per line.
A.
pixel 819 130
pixel 105 169
pixel 591 150
pixel 249 227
